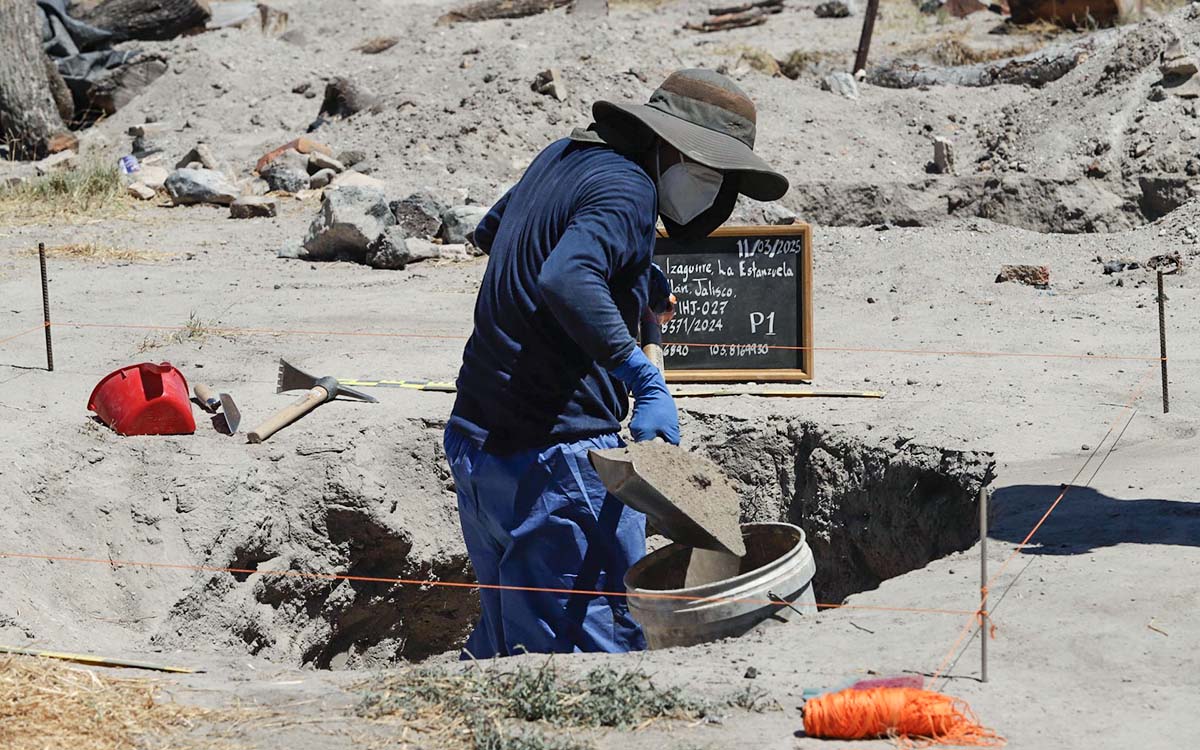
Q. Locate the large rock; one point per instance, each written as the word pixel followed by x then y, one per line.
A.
pixel 318 161
pixel 357 179
pixel 841 83
pixel 287 172
pixel 252 207
pixel 140 191
pixel 459 222
pixel 350 219
pixel 395 250
pixel 321 179
pixel 153 177
pixel 189 186
pixel 282 179
pixel 420 214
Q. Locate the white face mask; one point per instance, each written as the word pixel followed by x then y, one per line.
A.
pixel 686 190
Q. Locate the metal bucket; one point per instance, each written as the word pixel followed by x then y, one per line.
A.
pixel 778 562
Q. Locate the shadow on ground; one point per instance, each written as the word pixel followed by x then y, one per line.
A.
pixel 1086 520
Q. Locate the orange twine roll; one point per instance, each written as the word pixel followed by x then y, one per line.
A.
pixel 906 714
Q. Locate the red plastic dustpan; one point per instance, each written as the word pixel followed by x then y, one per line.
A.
pixel 144 399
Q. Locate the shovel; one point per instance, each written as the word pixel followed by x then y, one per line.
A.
pixel 687 518
pixel 717 548
pixel 634 484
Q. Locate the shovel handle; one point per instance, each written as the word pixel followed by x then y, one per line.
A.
pixel 289 414
pixel 652 339
pixel 207 396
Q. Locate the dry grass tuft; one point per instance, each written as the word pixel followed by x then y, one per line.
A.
pixel 494 709
pixel 953 50
pixel 761 60
pixel 102 253
pixel 93 190
pixel 195 330
pixel 800 62
pixel 44 704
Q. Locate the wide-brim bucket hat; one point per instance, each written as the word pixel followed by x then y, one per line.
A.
pixel 708 119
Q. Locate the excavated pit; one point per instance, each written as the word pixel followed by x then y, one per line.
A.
pixel 250 538
pixel 871 511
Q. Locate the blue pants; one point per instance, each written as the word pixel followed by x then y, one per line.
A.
pixel 544 519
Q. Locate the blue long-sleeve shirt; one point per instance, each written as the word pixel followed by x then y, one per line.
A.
pixel 569 251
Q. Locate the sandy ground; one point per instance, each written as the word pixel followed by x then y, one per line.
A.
pixel 1093 640
pixel 1076 662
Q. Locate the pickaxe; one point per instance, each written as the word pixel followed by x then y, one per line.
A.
pixel 320 390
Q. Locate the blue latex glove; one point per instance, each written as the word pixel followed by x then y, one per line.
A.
pixel 654 412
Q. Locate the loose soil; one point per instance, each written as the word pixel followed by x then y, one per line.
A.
pixel 694 485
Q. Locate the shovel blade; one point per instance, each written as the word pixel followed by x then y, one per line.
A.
pixel 621 477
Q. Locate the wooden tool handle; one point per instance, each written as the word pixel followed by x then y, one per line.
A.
pixel 652 340
pixel 206 395
pixel 289 414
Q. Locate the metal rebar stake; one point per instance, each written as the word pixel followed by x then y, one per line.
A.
pixel 1162 341
pixel 864 41
pixel 983 579
pixel 46 307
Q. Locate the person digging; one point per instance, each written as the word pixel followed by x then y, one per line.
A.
pixel 549 367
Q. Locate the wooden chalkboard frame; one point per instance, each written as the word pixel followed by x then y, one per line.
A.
pixel 804 307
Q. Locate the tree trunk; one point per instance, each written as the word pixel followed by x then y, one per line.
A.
pixel 148 19
pixel 28 114
pixel 1035 69
pixel 58 89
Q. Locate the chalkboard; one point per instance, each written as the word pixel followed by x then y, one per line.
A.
pixel 744 310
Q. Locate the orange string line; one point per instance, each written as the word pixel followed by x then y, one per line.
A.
pixel 452 584
pixel 964 631
pixel 977 617
pixel 1138 389
pixel 271 331
pixel 233 330
pixel 966 353
pixel 39 327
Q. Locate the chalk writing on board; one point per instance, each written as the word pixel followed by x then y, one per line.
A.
pixel 739 305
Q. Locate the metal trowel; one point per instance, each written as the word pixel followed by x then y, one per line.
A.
pixel 213 402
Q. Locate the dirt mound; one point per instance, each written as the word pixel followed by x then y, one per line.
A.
pixel 378 505
pixel 1101 145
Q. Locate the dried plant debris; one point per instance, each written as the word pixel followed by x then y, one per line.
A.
pixel 375 45
pixel 478 707
pixel 44 704
pixel 95 251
